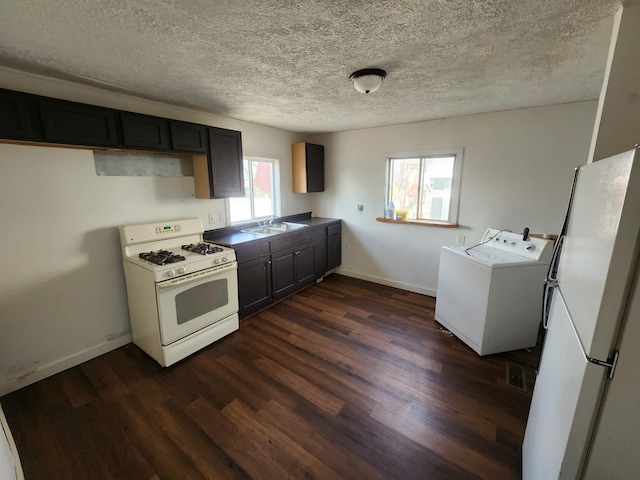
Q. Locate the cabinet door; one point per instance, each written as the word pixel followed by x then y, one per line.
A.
pixel 188 137
pixel 78 124
pixel 305 262
pixel 143 131
pixel 334 251
pixel 315 168
pixel 320 242
pixel 254 284
pixel 334 245
pixel 283 273
pixel 225 163
pixel 15 123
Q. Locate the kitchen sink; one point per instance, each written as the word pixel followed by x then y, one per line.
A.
pixel 261 230
pixel 287 226
pixel 274 228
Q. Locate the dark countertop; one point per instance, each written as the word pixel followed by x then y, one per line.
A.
pixel 233 237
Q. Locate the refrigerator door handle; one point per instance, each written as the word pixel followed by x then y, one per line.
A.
pixel 610 363
pixel 550 282
pixel 549 286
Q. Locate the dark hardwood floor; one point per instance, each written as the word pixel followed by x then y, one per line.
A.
pixel 346 379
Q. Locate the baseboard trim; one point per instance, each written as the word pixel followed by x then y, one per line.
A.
pixel 389 283
pixel 62 364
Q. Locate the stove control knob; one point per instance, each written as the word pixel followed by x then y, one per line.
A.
pixel 171 273
pixel 182 270
pixel 225 259
pixel 216 261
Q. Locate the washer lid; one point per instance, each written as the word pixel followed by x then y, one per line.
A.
pixel 491 257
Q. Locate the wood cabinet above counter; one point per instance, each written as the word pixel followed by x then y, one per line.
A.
pixel 218 165
pixel 308 167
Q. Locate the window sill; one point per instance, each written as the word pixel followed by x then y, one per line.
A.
pixel 423 223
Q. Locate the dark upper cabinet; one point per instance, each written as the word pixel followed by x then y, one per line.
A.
pixel 188 137
pixel 144 131
pixel 78 124
pixel 15 116
pixel 308 167
pixel 217 152
pixel 226 171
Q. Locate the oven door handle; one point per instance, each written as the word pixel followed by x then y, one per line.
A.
pixel 196 276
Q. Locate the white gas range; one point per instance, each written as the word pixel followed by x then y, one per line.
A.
pixel 182 291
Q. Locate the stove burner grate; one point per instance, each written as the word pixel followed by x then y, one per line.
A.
pixel 202 248
pixel 161 257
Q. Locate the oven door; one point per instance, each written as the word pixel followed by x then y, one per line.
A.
pixel 189 303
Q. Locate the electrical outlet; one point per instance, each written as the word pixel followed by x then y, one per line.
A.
pixel 212 218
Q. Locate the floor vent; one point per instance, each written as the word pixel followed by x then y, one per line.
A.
pixel 516 376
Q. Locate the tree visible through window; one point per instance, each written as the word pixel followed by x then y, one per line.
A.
pixel 260 191
pixel 426 186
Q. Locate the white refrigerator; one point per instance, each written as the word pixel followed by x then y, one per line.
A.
pixel 584 420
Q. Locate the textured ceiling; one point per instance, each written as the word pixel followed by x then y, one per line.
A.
pixel 286 63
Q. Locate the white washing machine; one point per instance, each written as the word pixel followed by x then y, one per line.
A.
pixel 490 295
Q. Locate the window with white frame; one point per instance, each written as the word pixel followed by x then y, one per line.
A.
pixel 426 186
pixel 261 191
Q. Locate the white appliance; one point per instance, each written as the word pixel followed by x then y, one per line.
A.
pixel 182 292
pixel 490 294
pixel 584 420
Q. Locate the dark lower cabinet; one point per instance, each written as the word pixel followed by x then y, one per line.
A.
pixel 254 284
pixel 293 269
pixel 145 132
pixel 334 246
pixel 254 276
pixel 319 237
pixel 271 269
pixel 78 124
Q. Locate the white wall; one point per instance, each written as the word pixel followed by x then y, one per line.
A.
pixel 62 292
pixel 617 126
pixel 517 172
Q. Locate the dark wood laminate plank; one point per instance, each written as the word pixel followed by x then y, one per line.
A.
pixel 345 379
pixel 282 451
pixel 245 448
pixel 322 444
pixel 325 374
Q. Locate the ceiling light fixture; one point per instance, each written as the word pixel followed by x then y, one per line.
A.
pixel 368 80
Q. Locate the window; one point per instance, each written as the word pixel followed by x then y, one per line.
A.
pixel 426 186
pixel 261 191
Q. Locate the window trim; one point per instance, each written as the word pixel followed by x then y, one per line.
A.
pixel 456 183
